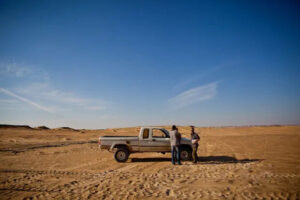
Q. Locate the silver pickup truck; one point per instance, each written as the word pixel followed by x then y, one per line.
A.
pixel 150 139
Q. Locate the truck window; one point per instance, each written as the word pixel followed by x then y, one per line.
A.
pixel 146 133
pixel 157 133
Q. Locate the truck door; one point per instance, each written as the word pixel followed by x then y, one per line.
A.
pixel 160 141
pixel 145 140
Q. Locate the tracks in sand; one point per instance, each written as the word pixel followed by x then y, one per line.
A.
pixel 135 181
pixel 47 145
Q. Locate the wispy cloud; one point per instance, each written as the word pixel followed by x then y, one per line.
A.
pixel 95 108
pixel 206 73
pixel 14 70
pixel 21 71
pixel 32 103
pixel 46 92
pixel 194 95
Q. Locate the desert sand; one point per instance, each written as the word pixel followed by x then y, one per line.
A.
pixel 258 162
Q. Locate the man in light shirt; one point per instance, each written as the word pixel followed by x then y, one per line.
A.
pixel 175 138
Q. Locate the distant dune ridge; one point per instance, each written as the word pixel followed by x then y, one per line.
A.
pixel 43 127
pixel 66 128
pixel 10 126
pixel 5 126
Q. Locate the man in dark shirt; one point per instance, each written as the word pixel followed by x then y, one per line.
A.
pixel 195 139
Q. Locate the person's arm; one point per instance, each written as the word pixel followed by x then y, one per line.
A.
pixel 198 138
pixel 195 138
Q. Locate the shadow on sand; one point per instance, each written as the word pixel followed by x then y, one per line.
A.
pixel 204 160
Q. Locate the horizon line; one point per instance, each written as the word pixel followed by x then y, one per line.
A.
pixel 219 126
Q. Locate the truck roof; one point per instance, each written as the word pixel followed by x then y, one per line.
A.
pixel 152 127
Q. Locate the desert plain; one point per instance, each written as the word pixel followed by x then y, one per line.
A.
pixel 255 162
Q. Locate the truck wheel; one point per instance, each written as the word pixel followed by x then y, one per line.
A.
pixel 121 155
pixel 185 154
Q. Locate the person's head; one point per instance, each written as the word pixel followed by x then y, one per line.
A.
pixel 174 128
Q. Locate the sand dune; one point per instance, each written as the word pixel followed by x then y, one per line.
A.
pixel 259 162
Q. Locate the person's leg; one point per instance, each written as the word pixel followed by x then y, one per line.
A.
pixel 173 154
pixel 194 153
pixel 178 154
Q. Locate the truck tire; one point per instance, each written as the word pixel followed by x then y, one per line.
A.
pixel 185 154
pixel 121 155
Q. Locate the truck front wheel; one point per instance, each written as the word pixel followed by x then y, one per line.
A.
pixel 121 155
pixel 186 154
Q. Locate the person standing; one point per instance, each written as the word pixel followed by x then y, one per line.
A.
pixel 175 138
pixel 195 140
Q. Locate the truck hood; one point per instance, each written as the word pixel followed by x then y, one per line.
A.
pixel 185 140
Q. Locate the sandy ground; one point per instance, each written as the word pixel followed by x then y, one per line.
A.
pixel 236 163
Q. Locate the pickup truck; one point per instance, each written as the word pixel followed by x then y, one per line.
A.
pixel 150 139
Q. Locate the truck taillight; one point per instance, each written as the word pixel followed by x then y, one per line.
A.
pixel 99 141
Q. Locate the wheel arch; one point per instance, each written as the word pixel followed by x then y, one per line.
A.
pixel 186 146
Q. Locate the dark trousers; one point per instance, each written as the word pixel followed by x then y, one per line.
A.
pixel 195 156
pixel 175 154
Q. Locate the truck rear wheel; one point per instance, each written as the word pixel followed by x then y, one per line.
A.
pixel 121 155
pixel 186 154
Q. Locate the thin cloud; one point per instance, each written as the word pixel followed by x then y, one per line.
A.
pixel 64 99
pixel 11 94
pixel 21 71
pixel 13 70
pixel 194 95
pixel 95 108
pixel 194 78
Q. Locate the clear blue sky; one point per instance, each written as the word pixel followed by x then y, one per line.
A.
pixel 98 64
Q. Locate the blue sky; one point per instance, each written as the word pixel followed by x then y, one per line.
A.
pixel 99 64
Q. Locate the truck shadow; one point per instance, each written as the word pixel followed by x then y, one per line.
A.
pixel 202 159
pixel 224 160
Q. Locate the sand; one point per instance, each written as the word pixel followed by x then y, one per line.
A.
pixel 260 162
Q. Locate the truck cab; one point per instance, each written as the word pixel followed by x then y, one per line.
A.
pixel 154 139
